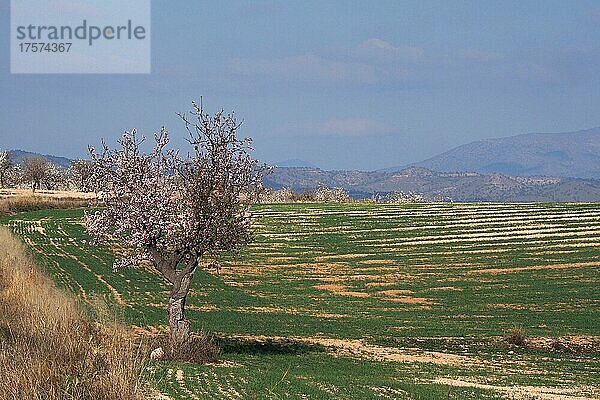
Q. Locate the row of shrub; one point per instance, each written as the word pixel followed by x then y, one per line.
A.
pixel 321 195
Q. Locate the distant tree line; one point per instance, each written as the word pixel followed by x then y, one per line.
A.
pixel 38 173
pixel 323 194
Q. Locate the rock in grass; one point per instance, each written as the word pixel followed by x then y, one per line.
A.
pixel 157 354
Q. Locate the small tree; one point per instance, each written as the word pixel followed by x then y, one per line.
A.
pixel 15 176
pixel 6 167
pixel 80 172
pixel 55 178
pixel 170 210
pixel 36 171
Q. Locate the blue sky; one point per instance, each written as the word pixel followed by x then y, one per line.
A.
pixel 341 84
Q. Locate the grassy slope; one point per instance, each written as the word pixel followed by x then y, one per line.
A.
pixel 399 276
pixel 48 348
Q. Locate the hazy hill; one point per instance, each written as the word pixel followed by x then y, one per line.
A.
pixel 465 186
pixel 575 154
pixel 19 156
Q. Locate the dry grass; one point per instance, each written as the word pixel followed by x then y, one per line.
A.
pixel 57 194
pixel 516 336
pixel 48 349
pixel 198 349
pixel 29 202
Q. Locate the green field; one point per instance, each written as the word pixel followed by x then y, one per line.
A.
pixel 367 301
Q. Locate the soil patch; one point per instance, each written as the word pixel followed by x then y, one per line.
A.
pixel 359 349
pixel 534 268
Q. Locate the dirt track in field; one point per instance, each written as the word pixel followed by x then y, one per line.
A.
pixel 534 268
pixel 520 392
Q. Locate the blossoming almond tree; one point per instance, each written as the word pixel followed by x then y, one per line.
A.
pixel 172 210
pixel 6 167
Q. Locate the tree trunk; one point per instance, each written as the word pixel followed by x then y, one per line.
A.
pixel 180 326
pixel 181 280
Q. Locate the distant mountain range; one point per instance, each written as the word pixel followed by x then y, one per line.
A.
pixel 530 167
pixel 574 154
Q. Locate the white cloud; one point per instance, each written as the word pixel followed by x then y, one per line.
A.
pixel 373 61
pixel 377 48
pixel 352 127
pixel 308 67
